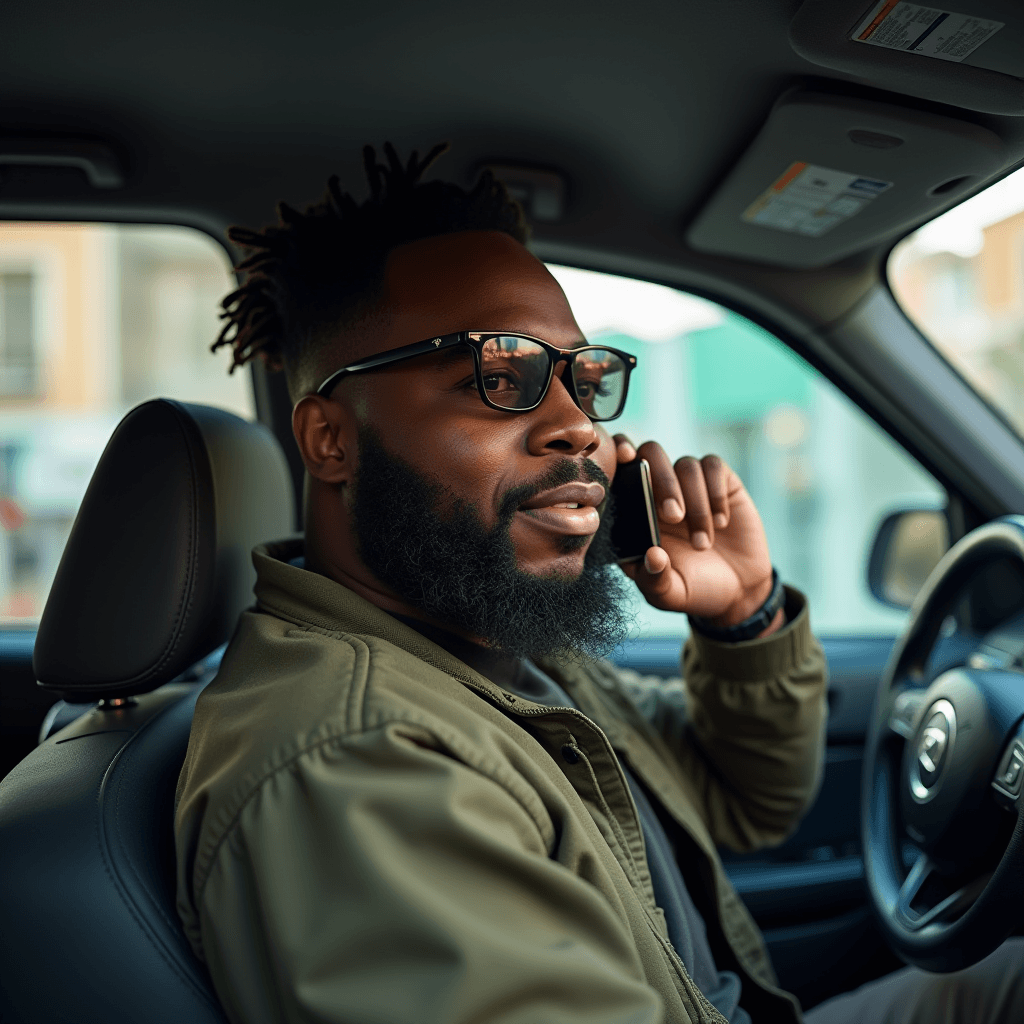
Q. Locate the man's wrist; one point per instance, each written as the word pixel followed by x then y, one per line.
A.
pixel 745 606
pixel 768 618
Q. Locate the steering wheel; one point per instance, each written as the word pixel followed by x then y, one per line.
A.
pixel 942 811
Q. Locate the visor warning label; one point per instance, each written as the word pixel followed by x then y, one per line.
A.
pixel 810 200
pixel 927 31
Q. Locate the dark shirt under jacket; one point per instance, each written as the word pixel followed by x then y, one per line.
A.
pixel 686 927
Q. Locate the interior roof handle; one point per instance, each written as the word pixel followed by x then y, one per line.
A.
pixel 102 167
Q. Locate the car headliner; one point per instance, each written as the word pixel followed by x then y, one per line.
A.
pixel 219 109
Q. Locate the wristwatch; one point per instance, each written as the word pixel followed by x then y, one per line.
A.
pixel 749 628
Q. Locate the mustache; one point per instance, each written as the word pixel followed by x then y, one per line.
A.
pixel 438 554
pixel 565 471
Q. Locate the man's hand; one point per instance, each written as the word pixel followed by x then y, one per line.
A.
pixel 713 561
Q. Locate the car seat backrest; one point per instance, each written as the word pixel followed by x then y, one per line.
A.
pixel 154 576
pixel 90 931
pixel 157 567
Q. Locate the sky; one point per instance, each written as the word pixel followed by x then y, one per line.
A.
pixel 605 304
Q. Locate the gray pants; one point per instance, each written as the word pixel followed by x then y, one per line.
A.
pixel 990 992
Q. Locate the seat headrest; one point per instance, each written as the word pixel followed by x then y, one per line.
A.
pixel 157 567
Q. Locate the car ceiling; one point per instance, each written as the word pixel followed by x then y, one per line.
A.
pixel 219 109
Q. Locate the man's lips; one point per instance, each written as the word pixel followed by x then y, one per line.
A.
pixel 569 509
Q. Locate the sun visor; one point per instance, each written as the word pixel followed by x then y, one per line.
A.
pixel 829 175
pixel 967 53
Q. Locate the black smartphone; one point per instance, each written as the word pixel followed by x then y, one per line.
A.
pixel 635 527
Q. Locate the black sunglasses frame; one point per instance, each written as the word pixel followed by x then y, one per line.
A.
pixel 475 341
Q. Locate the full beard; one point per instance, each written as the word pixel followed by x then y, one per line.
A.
pixel 433 550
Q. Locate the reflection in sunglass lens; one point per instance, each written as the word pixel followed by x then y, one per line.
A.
pixel 600 379
pixel 514 370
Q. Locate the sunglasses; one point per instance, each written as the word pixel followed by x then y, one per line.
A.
pixel 514 371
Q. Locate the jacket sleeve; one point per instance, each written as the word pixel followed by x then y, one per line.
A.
pixel 747 723
pixel 380 878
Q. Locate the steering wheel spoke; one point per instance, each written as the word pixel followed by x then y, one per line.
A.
pixel 925 897
pixel 920 873
pixel 905 706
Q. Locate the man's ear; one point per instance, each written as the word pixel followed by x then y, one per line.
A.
pixel 326 433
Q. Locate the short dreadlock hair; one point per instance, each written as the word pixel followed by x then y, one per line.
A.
pixel 322 270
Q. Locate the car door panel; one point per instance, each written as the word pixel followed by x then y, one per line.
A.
pixel 23 705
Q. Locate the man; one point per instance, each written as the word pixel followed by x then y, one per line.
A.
pixel 412 793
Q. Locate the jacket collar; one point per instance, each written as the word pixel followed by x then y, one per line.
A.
pixel 311 600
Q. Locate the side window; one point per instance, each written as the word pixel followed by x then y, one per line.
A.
pixel 94 318
pixel 822 474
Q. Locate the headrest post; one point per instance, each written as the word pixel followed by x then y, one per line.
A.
pixel 115 703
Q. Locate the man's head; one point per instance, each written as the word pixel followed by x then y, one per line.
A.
pixel 422 498
pixel 315 287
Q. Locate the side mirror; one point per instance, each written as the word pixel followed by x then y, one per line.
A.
pixel 907 547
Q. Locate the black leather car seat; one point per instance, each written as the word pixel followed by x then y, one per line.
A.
pixel 154 576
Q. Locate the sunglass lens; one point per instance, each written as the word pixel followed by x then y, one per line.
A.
pixel 600 379
pixel 514 370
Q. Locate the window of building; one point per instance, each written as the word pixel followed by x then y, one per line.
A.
pixel 822 474
pixel 17 334
pixel 94 318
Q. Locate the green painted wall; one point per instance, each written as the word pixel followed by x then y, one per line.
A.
pixel 738 371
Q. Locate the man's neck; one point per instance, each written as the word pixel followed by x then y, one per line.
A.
pixel 492 664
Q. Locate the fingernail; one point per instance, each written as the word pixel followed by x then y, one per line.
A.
pixel 671 510
pixel 627 450
pixel 647 564
pixel 700 540
pixel 719 520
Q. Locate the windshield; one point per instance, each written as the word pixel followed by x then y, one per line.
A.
pixel 960 278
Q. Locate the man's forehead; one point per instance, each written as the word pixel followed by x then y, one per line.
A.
pixel 475 280
pixel 465 251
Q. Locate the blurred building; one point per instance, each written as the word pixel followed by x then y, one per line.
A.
pixel 966 294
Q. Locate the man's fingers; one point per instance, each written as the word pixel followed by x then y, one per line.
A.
pixel 697 502
pixel 656 560
pixel 694 492
pixel 656 578
pixel 716 478
pixel 668 497
pixel 653 574
pixel 625 450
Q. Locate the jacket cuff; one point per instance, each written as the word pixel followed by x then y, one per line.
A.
pixel 763 657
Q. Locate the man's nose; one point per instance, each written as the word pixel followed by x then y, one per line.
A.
pixel 560 424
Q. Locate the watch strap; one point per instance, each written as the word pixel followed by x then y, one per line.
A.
pixel 750 627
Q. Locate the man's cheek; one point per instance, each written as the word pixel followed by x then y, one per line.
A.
pixel 478 465
pixel 470 449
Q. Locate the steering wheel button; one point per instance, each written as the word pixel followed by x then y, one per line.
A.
pixel 1011 778
pixel 1010 774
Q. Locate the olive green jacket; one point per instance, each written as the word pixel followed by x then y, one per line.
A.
pixel 368 830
